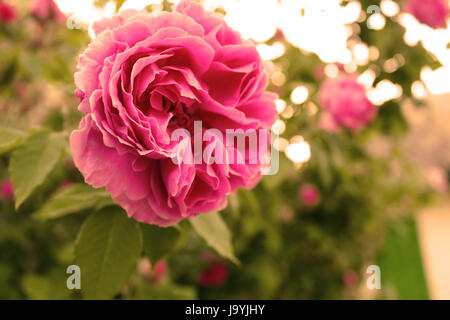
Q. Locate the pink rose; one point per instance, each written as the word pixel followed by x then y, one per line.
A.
pixel 153 276
pixel 47 10
pixel 433 13
pixel 7 13
pixel 144 77
pixel 214 276
pixel 7 190
pixel 345 104
pixel 309 195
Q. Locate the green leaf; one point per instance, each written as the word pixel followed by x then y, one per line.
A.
pixel 72 199
pixel 33 161
pixel 158 242
pixel 106 251
pixel 215 232
pixel 10 138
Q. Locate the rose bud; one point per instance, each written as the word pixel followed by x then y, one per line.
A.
pixel 309 195
pixel 214 276
pixel 7 13
pixel 7 190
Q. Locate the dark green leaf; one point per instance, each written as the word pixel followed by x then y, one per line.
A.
pixel 158 242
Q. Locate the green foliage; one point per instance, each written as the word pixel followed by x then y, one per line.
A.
pixel 73 199
pixel 401 263
pixel 32 162
pixel 51 286
pixel 216 234
pixel 9 139
pixel 107 248
pixel 158 242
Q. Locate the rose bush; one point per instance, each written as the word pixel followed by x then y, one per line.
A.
pixel 287 249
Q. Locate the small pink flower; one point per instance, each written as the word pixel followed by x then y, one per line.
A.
pixel 318 72
pixel 309 195
pixel 144 267
pixel 47 10
pixel 154 275
pixel 7 13
pixel 7 190
pixel 214 276
pixel 327 123
pixel 159 272
pixel 145 76
pixel 433 13
pixel 350 279
pixel 437 179
pixel 345 104
pixel 21 90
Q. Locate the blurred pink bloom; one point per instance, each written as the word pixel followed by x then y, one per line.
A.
pixel 214 276
pixel 437 179
pixel 309 195
pixel 154 275
pixel 350 279
pixel 345 104
pixel 47 10
pixel 7 190
pixel 7 13
pixel 159 271
pixel 144 267
pixel 318 72
pixel 433 13
pixel 327 123
pixel 21 89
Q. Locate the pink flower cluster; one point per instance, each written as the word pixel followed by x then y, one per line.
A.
pixel 345 104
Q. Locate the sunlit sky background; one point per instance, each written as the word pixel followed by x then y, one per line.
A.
pixel 323 27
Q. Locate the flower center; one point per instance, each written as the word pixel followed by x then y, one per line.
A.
pixel 182 115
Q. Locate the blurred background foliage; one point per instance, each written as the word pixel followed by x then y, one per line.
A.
pixel 287 249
